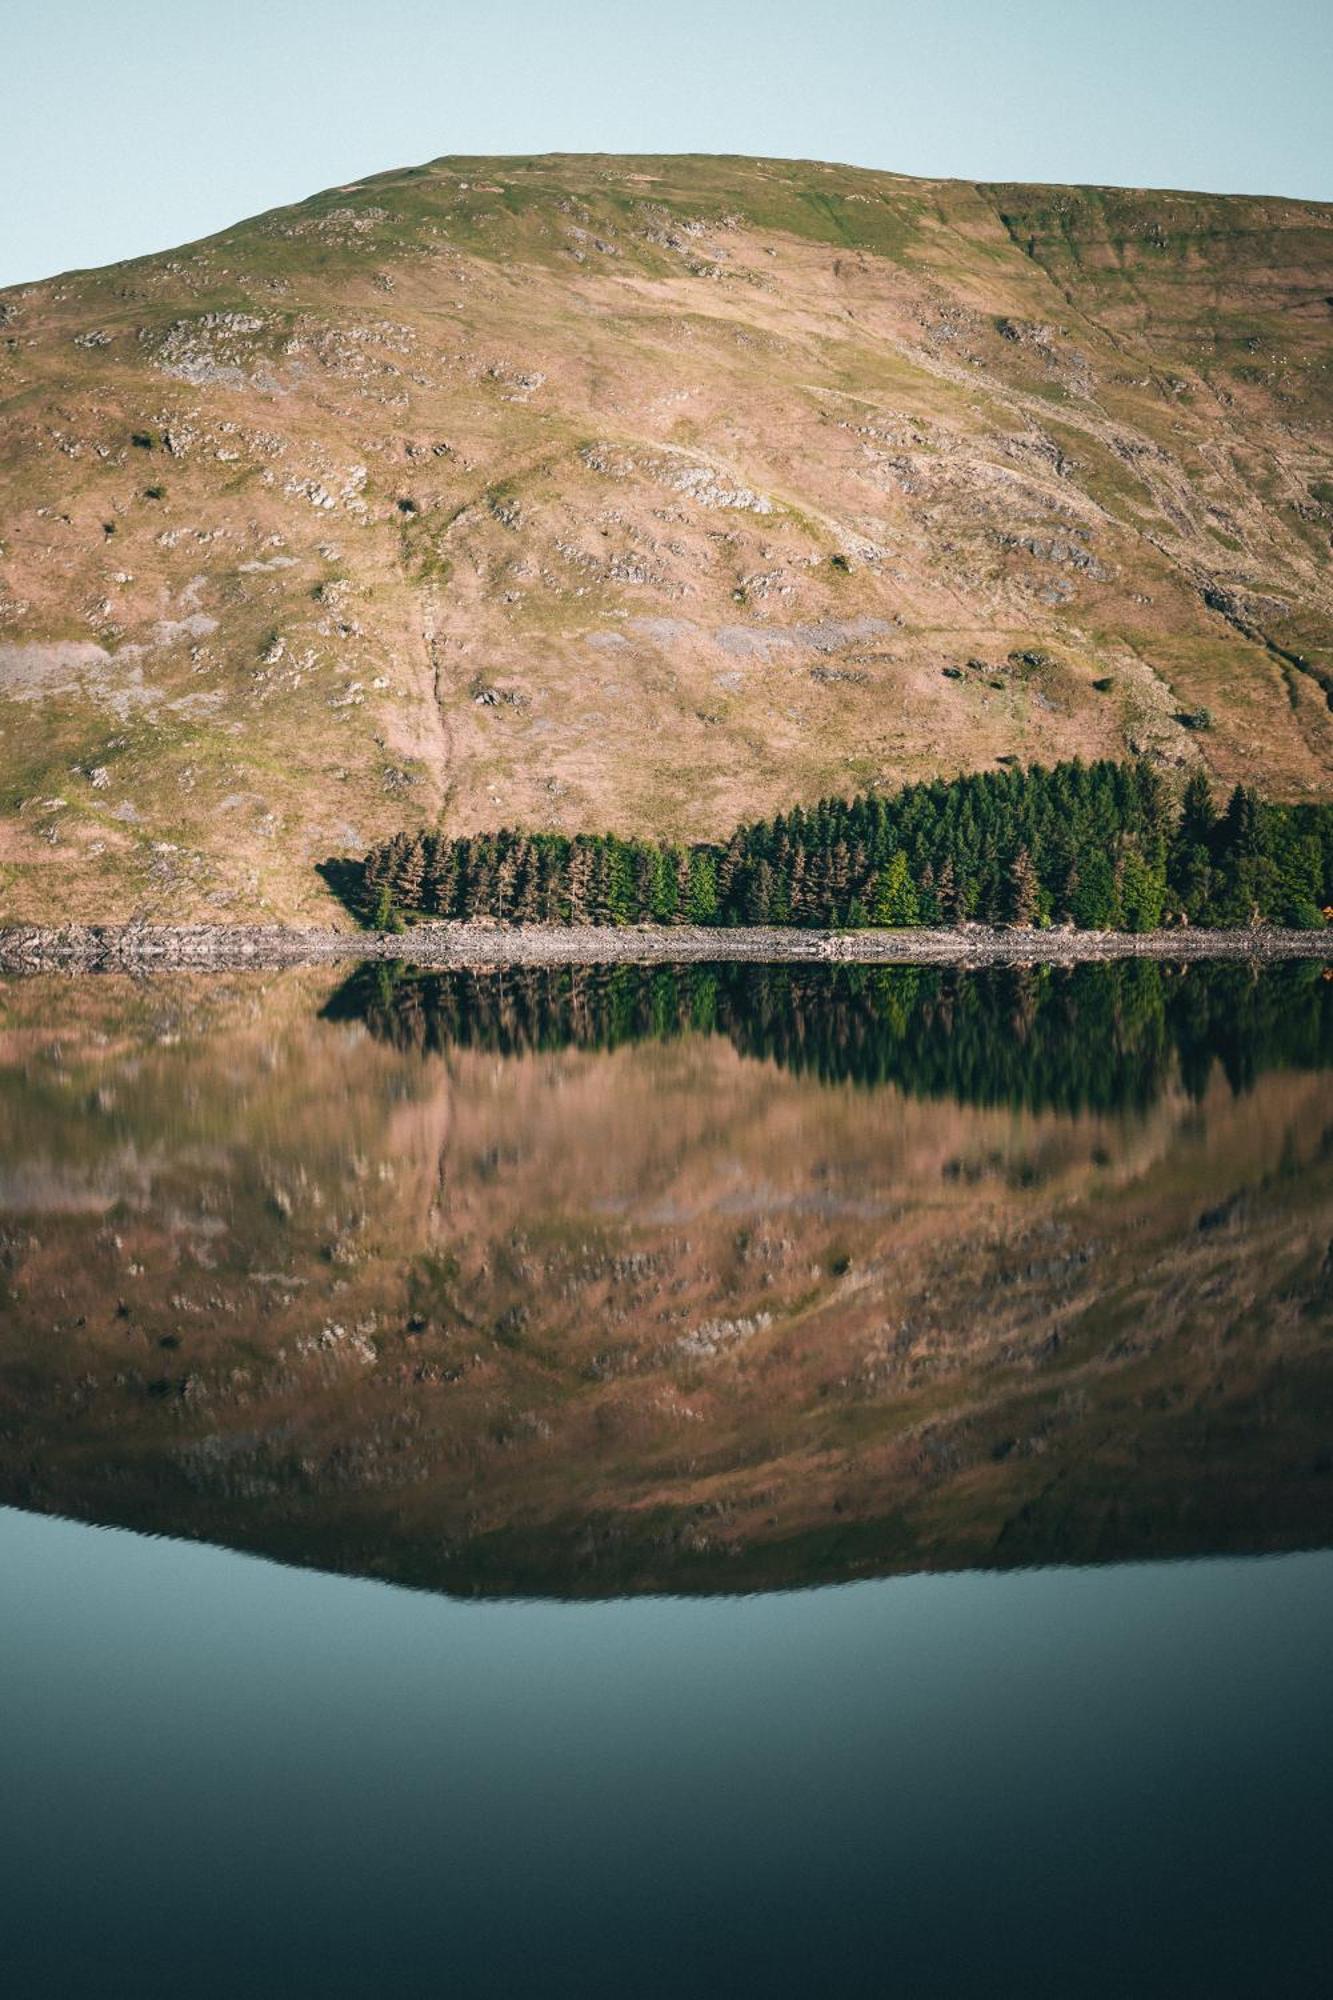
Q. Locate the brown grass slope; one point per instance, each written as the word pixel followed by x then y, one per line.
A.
pixel 646 494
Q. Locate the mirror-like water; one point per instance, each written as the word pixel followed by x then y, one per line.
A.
pixel 673 1293
pixel 219 1777
pixel 578 1283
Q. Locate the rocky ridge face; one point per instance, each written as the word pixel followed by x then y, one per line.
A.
pixel 645 494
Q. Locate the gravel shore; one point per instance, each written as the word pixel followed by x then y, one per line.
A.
pixel 226 947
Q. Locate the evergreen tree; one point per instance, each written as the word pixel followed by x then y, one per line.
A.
pixel 733 859
pixel 1100 843
pixel 1022 890
pixel 409 875
pixel 759 894
pixel 703 896
pixel 896 903
pixel 579 883
pixel 1142 890
pixel 946 891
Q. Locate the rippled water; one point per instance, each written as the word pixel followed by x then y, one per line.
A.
pixel 693 1286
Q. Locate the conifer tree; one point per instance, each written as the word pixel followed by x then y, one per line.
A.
pixel 797 905
pixel 946 890
pixel 1142 891
pixel 580 883
pixel 733 860
pixel 897 904
pixel 409 876
pixel 1102 843
pixel 681 896
pixel 441 877
pixel 703 894
pixel 759 894
pixel 1022 890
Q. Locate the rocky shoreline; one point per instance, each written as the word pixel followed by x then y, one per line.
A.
pixel 231 947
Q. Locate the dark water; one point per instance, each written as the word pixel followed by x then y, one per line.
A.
pixel 888 1419
pixel 223 1777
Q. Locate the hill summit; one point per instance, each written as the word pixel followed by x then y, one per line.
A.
pixel 646 495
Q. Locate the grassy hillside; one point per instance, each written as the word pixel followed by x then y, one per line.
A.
pixel 650 495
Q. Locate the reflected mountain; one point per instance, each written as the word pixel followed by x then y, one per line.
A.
pixel 584 1282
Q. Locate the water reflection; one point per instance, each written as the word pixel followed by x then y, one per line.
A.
pixel 727 1278
pixel 1103 1037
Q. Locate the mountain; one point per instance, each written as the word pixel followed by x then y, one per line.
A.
pixel 646 494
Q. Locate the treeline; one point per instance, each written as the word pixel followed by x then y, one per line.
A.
pixel 1106 846
pixel 1102 1037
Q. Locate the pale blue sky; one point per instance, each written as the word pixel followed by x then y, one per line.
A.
pixel 130 127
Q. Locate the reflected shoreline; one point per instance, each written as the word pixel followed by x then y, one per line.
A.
pixel 723 1591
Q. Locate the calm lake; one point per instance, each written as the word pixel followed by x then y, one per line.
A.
pixel 763 1480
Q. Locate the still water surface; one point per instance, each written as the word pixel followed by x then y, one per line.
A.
pixel 219 1777
pixel 690 1317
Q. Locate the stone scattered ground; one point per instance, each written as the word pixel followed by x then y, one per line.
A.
pixel 645 494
